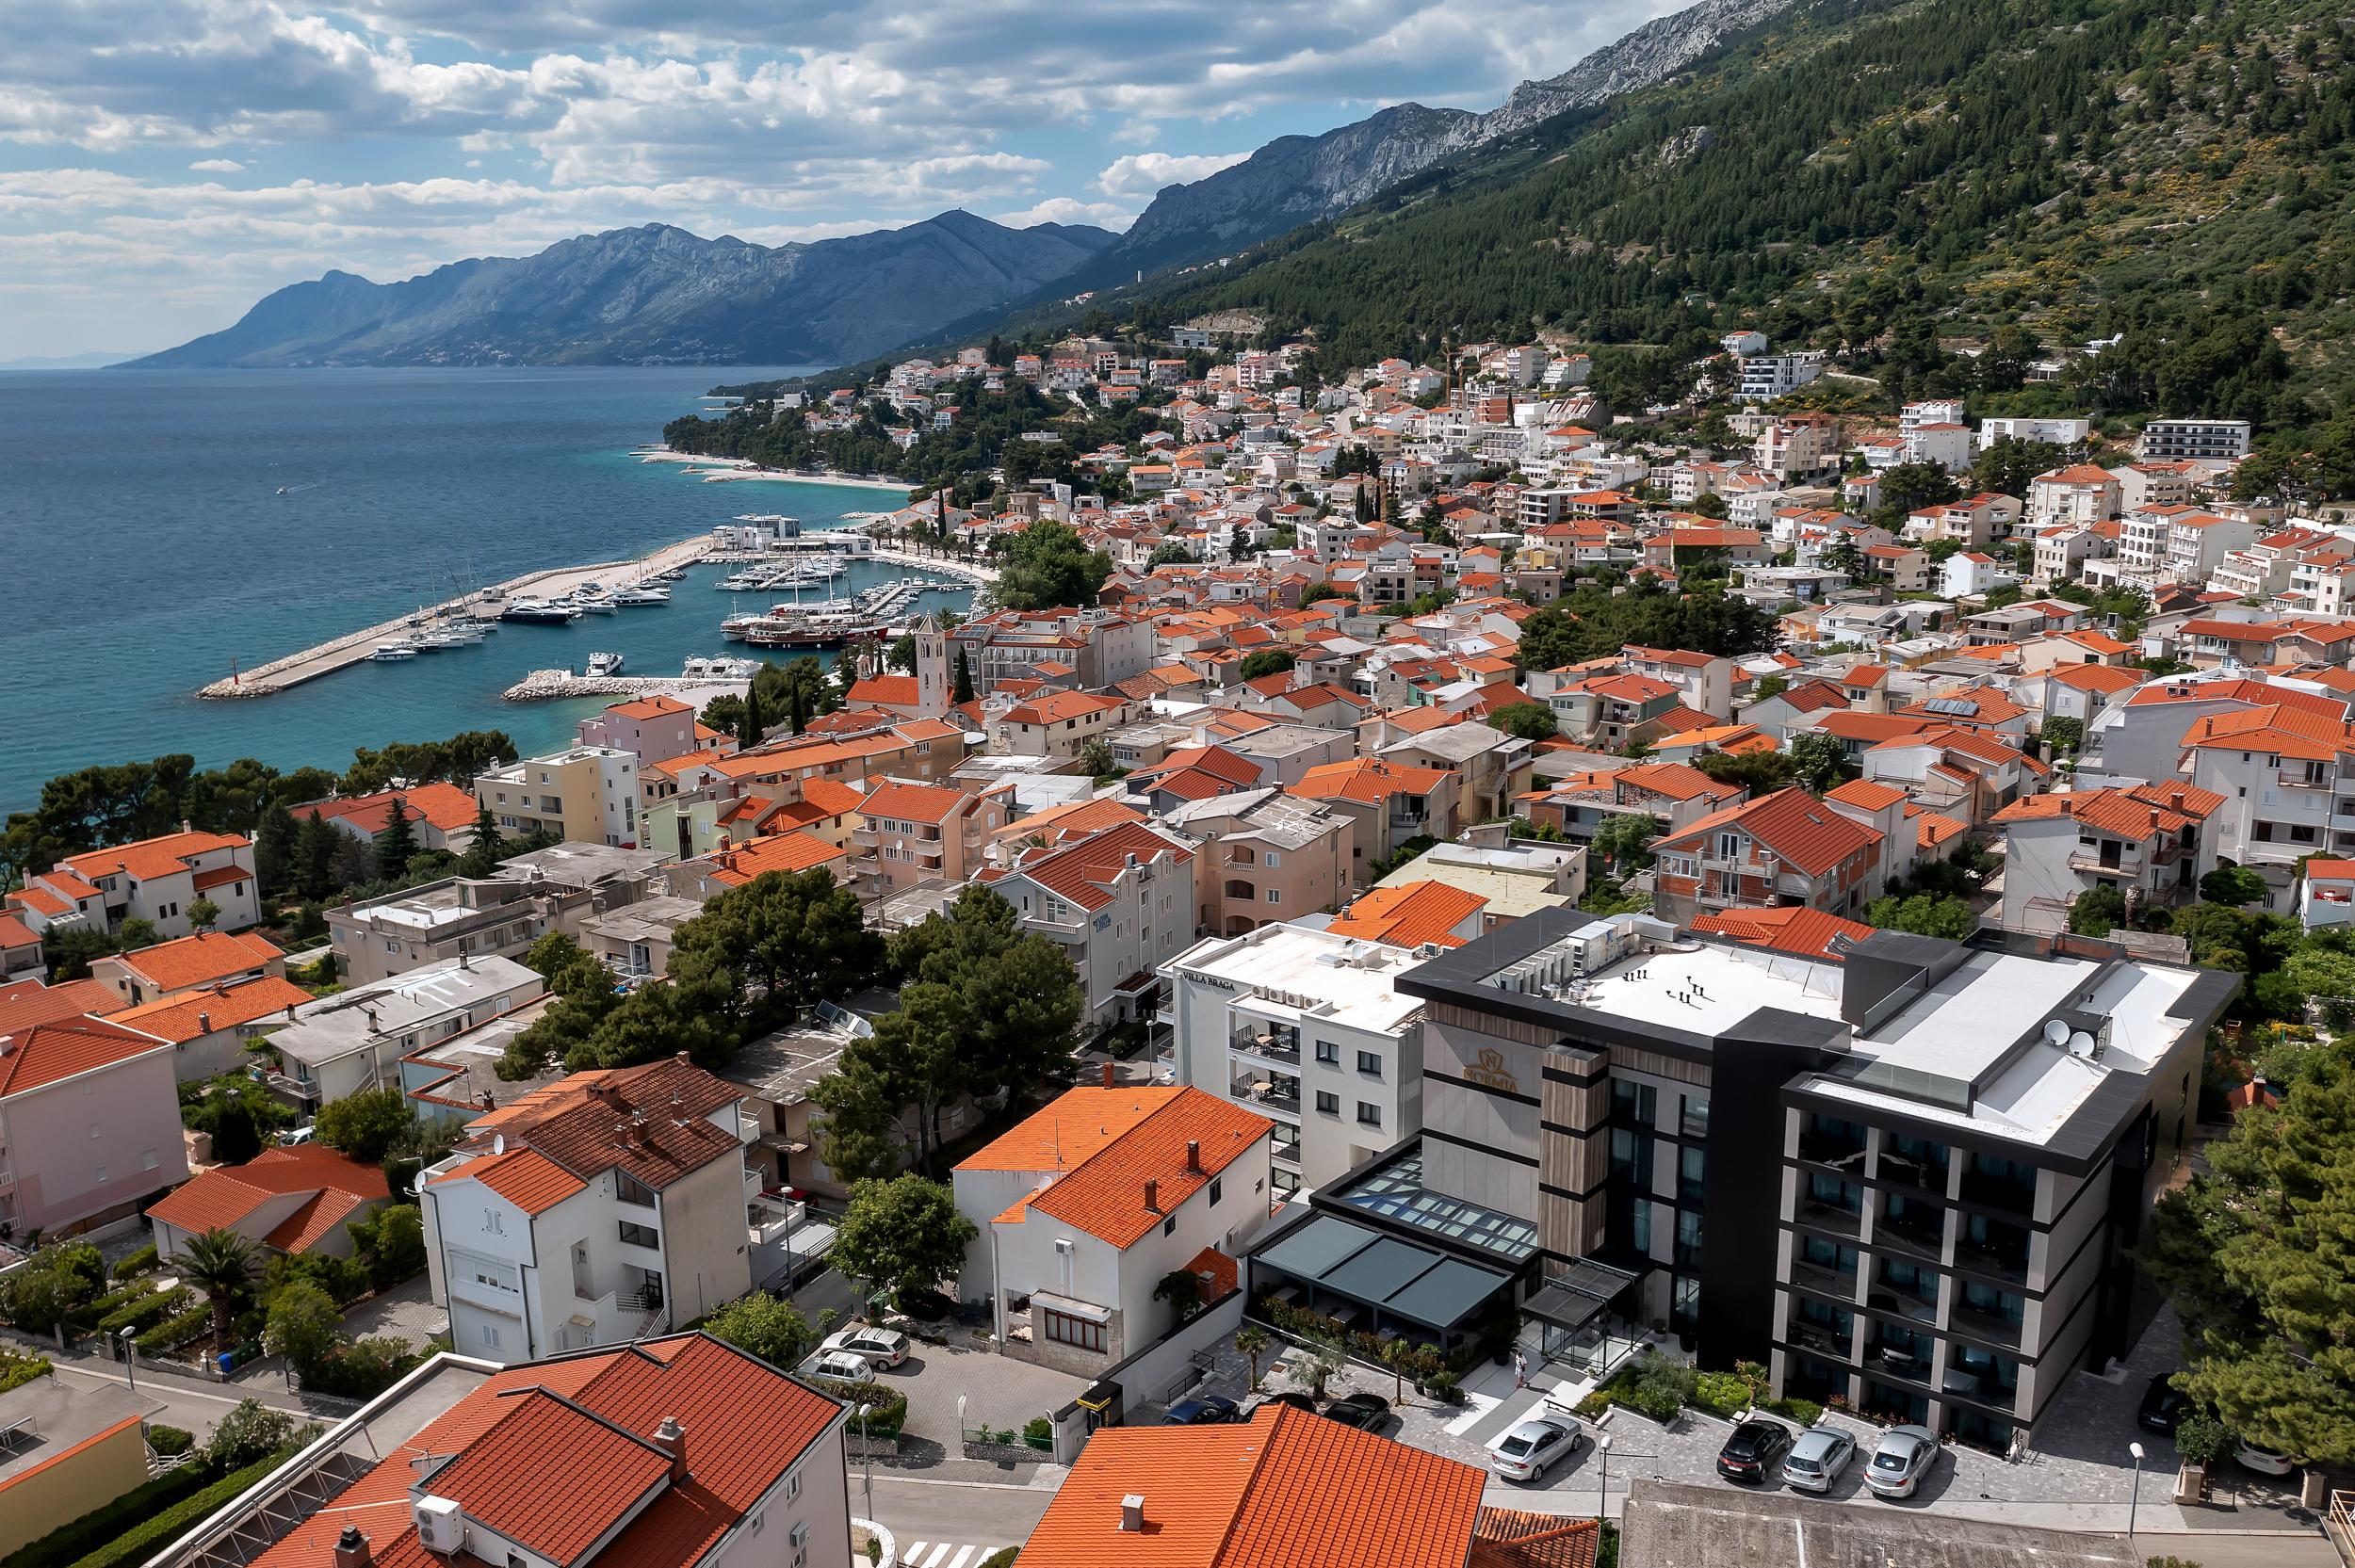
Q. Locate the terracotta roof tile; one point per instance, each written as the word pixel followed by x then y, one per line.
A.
pixel 1140 1135
pixel 1791 929
pixel 60 1048
pixel 193 1015
pixel 525 1177
pixel 1791 823
pixel 200 959
pixel 1410 915
pixel 25 1003
pixel 150 857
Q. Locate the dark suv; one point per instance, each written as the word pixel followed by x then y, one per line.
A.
pixel 1754 1452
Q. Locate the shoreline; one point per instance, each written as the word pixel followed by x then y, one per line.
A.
pixel 740 470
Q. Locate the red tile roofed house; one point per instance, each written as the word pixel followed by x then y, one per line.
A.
pixel 441 816
pixel 2208 642
pixel 1195 773
pixel 207 1029
pixel 155 879
pixel 1704 681
pixel 191 964
pixel 2154 838
pixel 1412 914
pixel 1689 746
pixel 1610 712
pixel 1391 803
pixel 1671 794
pixel 1059 723
pixel 1789 710
pixel 909 831
pixel 1120 903
pixel 2281 771
pixel 294 1200
pixel 89 1119
pixel 1787 848
pixel 594 1210
pixel 1085 1205
pixel 654 729
pixel 1793 929
pixel 1958 772
pixel 680 1452
pixel 20 949
pixel 1321 703
pixel 29 1001
pixel 1978 708
pixel 734 865
pixel 1288 1490
pixel 2083 692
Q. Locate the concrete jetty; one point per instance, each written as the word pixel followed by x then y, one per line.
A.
pixel 543 685
pixel 343 652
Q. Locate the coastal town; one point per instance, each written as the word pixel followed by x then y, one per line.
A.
pixel 1440 974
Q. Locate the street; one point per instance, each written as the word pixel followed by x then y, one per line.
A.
pixel 957 1523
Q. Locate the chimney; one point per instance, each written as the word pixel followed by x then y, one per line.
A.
pixel 671 1439
pixel 684 1060
pixel 351 1548
pixel 1133 1512
pixel 1193 1156
pixel 1153 1197
pixel 370 1014
pixel 485 1100
pixel 203 1023
pixel 1107 1075
pixel 723 844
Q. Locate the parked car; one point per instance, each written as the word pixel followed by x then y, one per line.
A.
pixel 1818 1456
pixel 1754 1452
pixel 2163 1406
pixel 1906 1455
pixel 1533 1447
pixel 844 1365
pixel 1206 1411
pixel 1291 1397
pixel 879 1346
pixel 2264 1460
pixel 1363 1410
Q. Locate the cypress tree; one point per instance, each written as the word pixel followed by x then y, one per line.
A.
pixel 748 728
pixel 397 843
pixel 964 690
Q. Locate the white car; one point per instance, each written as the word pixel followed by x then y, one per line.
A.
pixel 880 1346
pixel 2264 1460
pixel 1534 1447
pixel 1906 1455
pixel 1817 1459
pixel 843 1366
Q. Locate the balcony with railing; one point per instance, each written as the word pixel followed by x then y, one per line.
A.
pixel 1993 1182
pixel 1276 1093
pixel 1906 1289
pixel 1278 1042
pixel 1915 1163
pixel 1826 1270
pixel 1284 1148
pixel 1831 1205
pixel 1990 1315
pixel 2001 1251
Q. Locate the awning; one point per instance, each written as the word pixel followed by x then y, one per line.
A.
pixel 1087 1312
pixel 1385 1273
pixel 1576 1298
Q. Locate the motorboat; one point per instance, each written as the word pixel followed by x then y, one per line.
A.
pixel 719 670
pixel 640 594
pixel 393 653
pixel 593 601
pixel 542 613
pixel 606 663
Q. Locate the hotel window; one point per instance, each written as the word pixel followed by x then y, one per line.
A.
pixel 1328 1053
pixel 1062 1328
pixel 1329 1105
pixel 1369 1114
pixel 1370 1063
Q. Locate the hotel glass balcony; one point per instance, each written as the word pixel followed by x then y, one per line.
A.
pixel 1276 1091
pixel 1910 1226
pixel 1828 1204
pixel 1828 1140
pixel 1266 1041
pixel 1991 1247
pixel 1908 1289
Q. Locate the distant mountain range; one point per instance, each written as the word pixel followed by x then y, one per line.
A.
pixel 63 361
pixel 655 296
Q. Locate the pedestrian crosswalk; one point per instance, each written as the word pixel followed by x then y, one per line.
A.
pixel 946 1554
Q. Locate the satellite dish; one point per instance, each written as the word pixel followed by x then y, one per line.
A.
pixel 2083 1045
pixel 2056 1032
pixel 498 1144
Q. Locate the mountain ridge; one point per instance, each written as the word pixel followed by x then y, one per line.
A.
pixel 655 294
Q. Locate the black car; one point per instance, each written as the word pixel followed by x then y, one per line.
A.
pixel 2163 1406
pixel 1363 1410
pixel 1199 1413
pixel 1754 1452
pixel 1291 1397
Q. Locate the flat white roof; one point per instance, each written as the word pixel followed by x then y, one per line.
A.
pixel 1296 973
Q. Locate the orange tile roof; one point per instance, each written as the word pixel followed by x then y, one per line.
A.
pixel 29 1002
pixel 1365 780
pixel 1216 1270
pixel 1080 872
pixel 1934 830
pixel 525 1177
pixel 1865 795
pixel 793 851
pixel 202 958
pixel 61 1048
pixel 1791 929
pixel 14 933
pixel 447 807
pixel 1410 915
pixel 1791 824
pixel 195 1014
pixel 913 802
pixel 746 1423
pixel 150 857
pixel 1508 1537
pixel 1288 1490
pixel 649 707
pixel 1139 1134
pixel 501 1479
pixel 1077 820
pixel 332 1184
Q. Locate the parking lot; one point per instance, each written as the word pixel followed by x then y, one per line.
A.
pixel 2079 1474
pixel 999 1391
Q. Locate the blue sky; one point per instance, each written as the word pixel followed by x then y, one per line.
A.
pixel 165 163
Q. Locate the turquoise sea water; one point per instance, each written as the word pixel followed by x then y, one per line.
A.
pixel 145 547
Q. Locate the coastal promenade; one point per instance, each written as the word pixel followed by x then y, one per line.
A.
pixel 355 648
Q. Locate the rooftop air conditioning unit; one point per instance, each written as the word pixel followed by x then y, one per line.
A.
pixel 440 1529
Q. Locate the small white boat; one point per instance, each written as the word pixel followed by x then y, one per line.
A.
pixel 642 595
pixel 719 670
pixel 543 612
pixel 391 653
pixel 593 603
pixel 606 663
pixel 434 642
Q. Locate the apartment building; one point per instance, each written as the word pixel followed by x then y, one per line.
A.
pixel 1787 848
pixel 2058 431
pixel 2196 439
pixel 1120 903
pixel 2285 780
pixel 1085 1207
pixel 1908 1173
pixel 354 1038
pixel 909 831
pixel 682 1452
pixel 89 1123
pixel 587 793
pixel 155 879
pixel 2147 842
pixel 190 964
pixel 2079 493
pixel 1769 376
pixel 1058 723
pixel 1388 803
pixel 1304 1027
pixel 1100 647
pixel 501 916
pixel 652 729
pixel 1266 857
pixel 597 1210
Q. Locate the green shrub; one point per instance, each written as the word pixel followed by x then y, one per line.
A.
pixel 890 1412
pixel 364 1368
pixel 1805 1411
pixel 173 1332
pixel 147 1311
pixel 55 1287
pixel 1002 1557
pixel 2202 1439
pixel 17 1368
pixel 1721 1393
pixel 1037 1429
pixel 144 1261
pixel 169 1441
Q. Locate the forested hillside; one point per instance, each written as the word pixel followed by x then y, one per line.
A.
pixel 1869 179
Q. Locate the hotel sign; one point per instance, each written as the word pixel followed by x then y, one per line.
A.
pixel 1489 1071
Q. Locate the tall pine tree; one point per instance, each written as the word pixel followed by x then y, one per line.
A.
pixel 397 843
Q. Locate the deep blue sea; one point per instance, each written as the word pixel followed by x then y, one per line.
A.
pixel 145 547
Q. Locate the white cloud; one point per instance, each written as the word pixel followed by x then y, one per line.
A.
pixel 1136 133
pixel 218 166
pixel 1140 174
pixel 1067 209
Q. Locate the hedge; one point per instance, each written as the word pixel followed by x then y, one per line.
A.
pixel 141 1262
pixel 147 1311
pixel 139 1542
pixel 17 1369
pixel 890 1410
pixel 1002 1558
pixel 173 1332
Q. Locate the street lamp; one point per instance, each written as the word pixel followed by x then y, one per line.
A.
pixel 866 1458
pixel 1602 1502
pixel 130 1357
pixel 2134 1501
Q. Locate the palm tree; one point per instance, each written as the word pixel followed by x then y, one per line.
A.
pixel 1253 1343
pixel 221 1262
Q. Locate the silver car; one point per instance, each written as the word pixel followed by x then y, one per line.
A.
pixel 1817 1459
pixel 1534 1446
pixel 1904 1456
